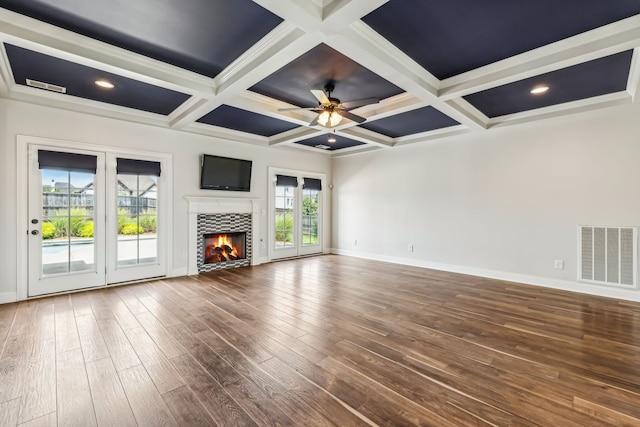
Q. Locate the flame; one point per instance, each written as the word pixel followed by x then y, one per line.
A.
pixel 223 240
pixel 220 242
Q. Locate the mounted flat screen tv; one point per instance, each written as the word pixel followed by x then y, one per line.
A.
pixel 223 173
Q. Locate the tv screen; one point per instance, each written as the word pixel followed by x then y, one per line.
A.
pixel 223 173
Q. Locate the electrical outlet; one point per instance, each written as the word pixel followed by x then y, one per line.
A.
pixel 410 248
pixel 559 264
pixel 355 243
pixel 185 255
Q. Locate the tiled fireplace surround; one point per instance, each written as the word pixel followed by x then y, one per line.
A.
pixel 217 214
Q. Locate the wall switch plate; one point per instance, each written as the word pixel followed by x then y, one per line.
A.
pixel 410 248
pixel 355 243
pixel 185 255
pixel 559 264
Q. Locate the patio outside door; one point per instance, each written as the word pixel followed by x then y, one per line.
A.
pixel 95 218
pixel 296 210
pixel 66 220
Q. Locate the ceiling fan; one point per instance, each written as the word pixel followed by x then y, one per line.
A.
pixel 331 110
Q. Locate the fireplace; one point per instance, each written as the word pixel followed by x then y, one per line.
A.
pixel 224 241
pixel 217 215
pixel 223 247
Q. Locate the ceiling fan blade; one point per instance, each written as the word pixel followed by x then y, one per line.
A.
pixel 314 122
pixel 298 108
pixel 359 103
pixel 320 96
pixel 351 116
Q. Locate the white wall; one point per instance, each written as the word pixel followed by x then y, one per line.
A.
pixel 17 118
pixel 503 203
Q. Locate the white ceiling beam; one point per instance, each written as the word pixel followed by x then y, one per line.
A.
pixel 266 106
pixel 365 135
pixel 305 148
pixel 431 135
pixel 339 14
pixel 281 46
pixel 86 106
pixel 368 48
pixel 304 14
pixel 354 151
pixel 6 78
pixel 227 134
pixel 397 104
pixel 613 38
pixel 187 108
pixel 295 135
pixel 327 17
pixel 595 103
pixel 633 83
pixel 48 39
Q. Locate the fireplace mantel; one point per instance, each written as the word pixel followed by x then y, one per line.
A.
pixel 217 205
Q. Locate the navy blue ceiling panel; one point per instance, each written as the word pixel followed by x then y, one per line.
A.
pixel 449 37
pixel 199 35
pixel 245 121
pixel 80 81
pixel 414 121
pixel 316 68
pixel 599 77
pixel 322 140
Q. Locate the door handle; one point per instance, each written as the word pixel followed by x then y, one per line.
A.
pixel 35 232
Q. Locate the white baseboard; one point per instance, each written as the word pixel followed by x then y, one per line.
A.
pixel 565 285
pixel 261 260
pixel 177 272
pixel 8 297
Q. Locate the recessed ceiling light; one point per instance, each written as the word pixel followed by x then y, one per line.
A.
pixel 104 84
pixel 538 90
pixel 331 139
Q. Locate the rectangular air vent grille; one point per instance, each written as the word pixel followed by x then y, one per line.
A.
pixel 46 86
pixel 607 255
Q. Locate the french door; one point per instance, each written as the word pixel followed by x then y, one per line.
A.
pixel 93 219
pixel 66 236
pixel 296 205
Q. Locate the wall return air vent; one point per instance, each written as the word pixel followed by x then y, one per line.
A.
pixel 46 86
pixel 608 255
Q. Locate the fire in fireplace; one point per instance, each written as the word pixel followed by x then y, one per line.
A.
pixel 223 247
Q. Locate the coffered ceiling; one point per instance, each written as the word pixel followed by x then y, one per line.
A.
pixel 226 67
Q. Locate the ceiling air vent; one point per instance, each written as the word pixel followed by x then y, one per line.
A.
pixel 46 86
pixel 607 255
pixel 323 147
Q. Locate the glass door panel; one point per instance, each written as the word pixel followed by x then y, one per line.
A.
pixel 137 220
pixel 67 222
pixel 310 199
pixel 63 249
pixel 285 217
pixel 296 215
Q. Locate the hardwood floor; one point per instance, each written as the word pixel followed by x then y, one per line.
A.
pixel 328 340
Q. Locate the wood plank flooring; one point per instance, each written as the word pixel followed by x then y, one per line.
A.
pixel 322 341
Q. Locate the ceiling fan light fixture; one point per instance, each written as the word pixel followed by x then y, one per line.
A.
pixel 329 118
pixel 335 119
pixel 323 118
